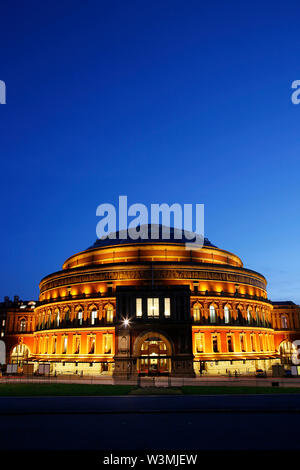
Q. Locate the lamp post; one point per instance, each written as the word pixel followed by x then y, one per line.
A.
pixel 126 324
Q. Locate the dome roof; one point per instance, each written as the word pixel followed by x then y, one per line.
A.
pixel 159 243
pixel 152 233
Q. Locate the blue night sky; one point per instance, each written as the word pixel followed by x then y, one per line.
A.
pixel 163 101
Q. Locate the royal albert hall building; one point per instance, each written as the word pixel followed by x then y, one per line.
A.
pixel 130 307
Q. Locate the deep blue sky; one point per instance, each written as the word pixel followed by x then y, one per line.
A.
pixel 164 101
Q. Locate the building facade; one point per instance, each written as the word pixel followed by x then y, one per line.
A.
pixel 148 307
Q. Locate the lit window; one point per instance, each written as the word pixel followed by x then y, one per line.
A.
pixel 138 310
pixel 23 325
pixel 109 315
pixel 107 344
pixel 77 345
pixel 57 319
pixel 65 344
pixel 153 307
pixel 167 307
pixel 93 317
pixel 226 314
pixel 249 316
pixel 212 314
pixel 199 342
pixel 284 324
pixel 80 317
pixel 91 345
pixel 196 313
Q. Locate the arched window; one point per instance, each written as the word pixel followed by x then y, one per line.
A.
pixel 196 312
pixel 212 314
pixel 249 315
pixel 57 318
pixel 109 315
pixel 240 315
pixel 79 317
pixel 284 323
pixel 226 314
pixel 23 325
pixel 93 316
pixel 67 315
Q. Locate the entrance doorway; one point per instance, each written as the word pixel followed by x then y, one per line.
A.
pixel 154 356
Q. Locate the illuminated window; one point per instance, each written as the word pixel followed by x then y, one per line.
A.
pixel 167 307
pixel 249 316
pixel 199 342
pixel 91 346
pixel 77 345
pixel 107 344
pixel 65 344
pixel 23 325
pixel 212 314
pixel 153 307
pixel 80 317
pixel 284 323
pixel 196 313
pixel 226 314
pixel 138 310
pixel 109 315
pixel 57 319
pixel 93 317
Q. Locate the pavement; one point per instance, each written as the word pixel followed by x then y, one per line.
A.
pixel 159 381
pixel 239 422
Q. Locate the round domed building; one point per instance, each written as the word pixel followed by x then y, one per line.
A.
pixel 126 307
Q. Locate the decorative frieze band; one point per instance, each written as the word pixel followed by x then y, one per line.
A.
pixel 148 274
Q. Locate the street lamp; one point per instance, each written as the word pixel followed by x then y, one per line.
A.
pixel 126 324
